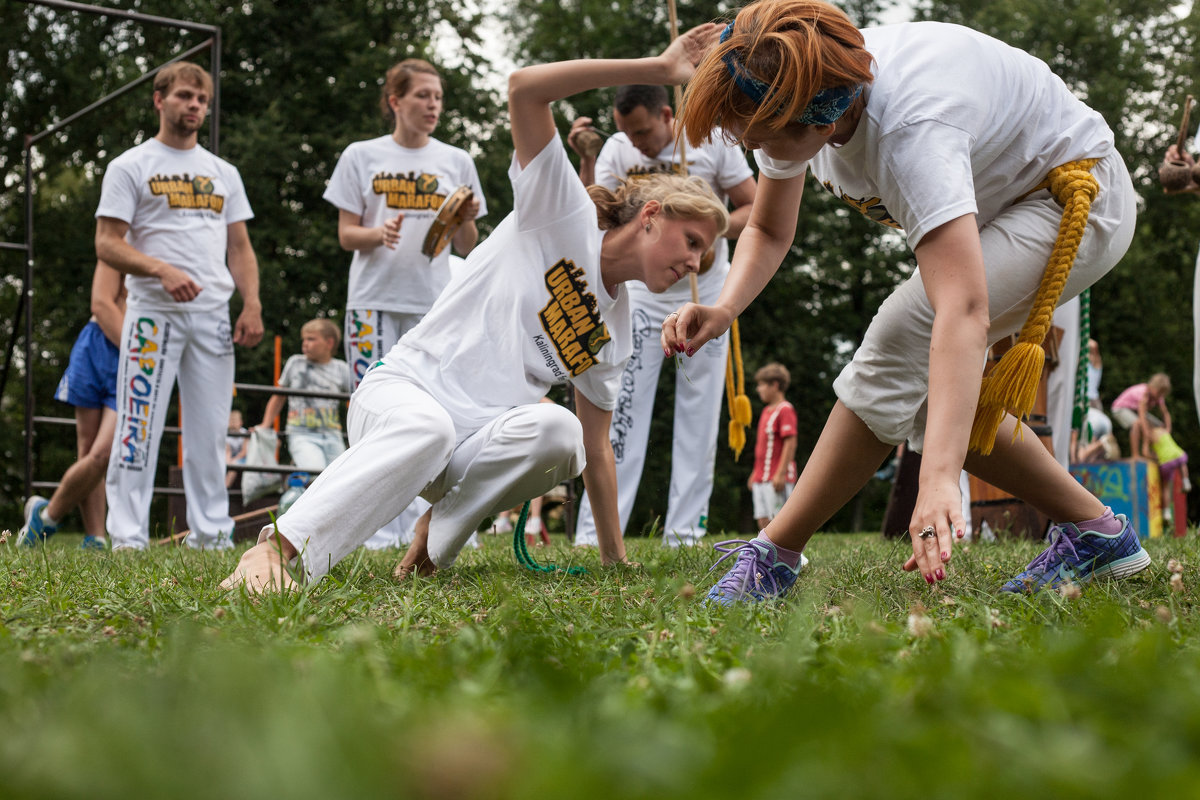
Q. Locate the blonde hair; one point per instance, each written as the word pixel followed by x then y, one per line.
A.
pixel 323 327
pixel 399 80
pixel 1160 384
pixel 795 47
pixel 774 373
pixel 168 76
pixel 679 196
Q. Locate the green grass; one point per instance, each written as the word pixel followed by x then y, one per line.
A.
pixel 132 673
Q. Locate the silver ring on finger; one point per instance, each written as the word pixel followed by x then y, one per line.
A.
pixel 928 532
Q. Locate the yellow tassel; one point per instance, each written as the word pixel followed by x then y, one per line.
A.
pixel 737 438
pixel 1012 385
pixel 742 411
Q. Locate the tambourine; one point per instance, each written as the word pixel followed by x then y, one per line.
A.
pixel 589 142
pixel 447 222
pixel 1177 176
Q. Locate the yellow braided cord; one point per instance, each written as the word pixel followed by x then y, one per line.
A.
pixel 1012 385
pixel 740 413
pixel 741 403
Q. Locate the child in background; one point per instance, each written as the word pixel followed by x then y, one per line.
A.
pixel 1132 407
pixel 774 473
pixel 314 428
pixel 1171 459
pixel 236 441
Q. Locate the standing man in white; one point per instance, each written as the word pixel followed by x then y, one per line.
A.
pixel 173 217
pixel 644 146
pixel 387 191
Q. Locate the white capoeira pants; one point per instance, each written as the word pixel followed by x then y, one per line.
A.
pixel 158 348
pixel 403 443
pixel 1060 386
pixel 887 383
pixel 369 334
pixel 699 390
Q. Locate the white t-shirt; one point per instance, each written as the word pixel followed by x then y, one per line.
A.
pixel 314 413
pixel 179 205
pixel 723 166
pixel 528 311
pixel 377 179
pixel 956 122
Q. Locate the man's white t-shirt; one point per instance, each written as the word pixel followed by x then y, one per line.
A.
pixel 722 165
pixel 956 122
pixel 528 311
pixel 179 205
pixel 377 179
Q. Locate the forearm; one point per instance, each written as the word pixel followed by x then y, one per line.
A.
pixel 755 261
pixel 108 302
pixel 587 170
pixel 356 237
pixel 738 218
pixel 600 480
pixel 466 237
pixel 274 406
pixel 243 266
pixel 956 355
pixel 124 257
pixel 786 456
pixel 541 84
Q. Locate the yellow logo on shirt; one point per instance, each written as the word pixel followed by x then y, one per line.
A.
pixel 870 207
pixel 640 171
pixel 184 191
pixel 409 191
pixel 570 318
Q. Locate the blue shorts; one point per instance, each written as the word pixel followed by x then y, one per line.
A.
pixel 91 377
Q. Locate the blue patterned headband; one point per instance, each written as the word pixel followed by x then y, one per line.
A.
pixel 826 107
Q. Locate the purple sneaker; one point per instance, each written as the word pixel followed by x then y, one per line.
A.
pixel 1077 556
pixel 756 576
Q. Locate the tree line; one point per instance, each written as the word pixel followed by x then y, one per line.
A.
pixel 298 86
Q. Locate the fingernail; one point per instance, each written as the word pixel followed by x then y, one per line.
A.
pixel 690 351
pixel 929 579
pixel 945 556
pixel 960 532
pixel 941 575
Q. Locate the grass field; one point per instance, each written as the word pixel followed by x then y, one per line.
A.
pixel 133 675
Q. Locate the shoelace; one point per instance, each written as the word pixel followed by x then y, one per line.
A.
pixel 753 567
pixel 1060 546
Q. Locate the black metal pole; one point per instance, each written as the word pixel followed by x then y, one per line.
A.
pixel 27 292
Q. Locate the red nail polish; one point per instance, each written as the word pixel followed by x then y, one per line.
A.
pixel 929 579
pixel 690 351
pixel 945 556
pixel 940 574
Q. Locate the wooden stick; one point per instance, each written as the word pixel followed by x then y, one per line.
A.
pixel 680 145
pixel 179 537
pixel 1183 125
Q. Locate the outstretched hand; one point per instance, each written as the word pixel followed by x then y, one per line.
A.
pixel 689 328
pixel 939 507
pixel 688 50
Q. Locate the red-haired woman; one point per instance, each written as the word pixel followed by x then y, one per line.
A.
pixel 950 135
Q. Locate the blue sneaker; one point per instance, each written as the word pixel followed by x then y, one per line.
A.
pixel 756 576
pixel 35 530
pixel 1079 556
pixel 94 543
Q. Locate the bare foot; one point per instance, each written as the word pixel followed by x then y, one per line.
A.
pixel 261 570
pixel 416 558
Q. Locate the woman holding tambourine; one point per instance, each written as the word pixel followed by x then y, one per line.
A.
pixel 388 192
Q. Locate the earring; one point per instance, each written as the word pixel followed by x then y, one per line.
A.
pixel 647 227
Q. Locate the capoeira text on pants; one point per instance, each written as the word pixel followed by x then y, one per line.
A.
pixel 147 340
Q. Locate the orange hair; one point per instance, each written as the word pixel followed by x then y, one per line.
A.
pixel 796 47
